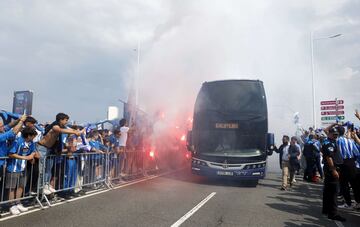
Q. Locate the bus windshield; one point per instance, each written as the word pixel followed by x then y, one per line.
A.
pixel 231 142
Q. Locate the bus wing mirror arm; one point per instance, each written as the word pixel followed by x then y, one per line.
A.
pixel 270 143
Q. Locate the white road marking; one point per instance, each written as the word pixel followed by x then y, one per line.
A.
pixel 192 211
pixel 338 223
pixel 89 195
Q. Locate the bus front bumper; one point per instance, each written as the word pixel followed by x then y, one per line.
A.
pixel 253 174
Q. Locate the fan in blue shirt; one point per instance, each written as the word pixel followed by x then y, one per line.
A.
pixel 97 147
pixel 8 133
pixel 4 137
pixel 22 151
pixel 347 147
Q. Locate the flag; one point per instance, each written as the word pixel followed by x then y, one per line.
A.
pixel 7 117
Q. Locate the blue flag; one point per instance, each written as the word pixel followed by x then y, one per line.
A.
pixel 7 117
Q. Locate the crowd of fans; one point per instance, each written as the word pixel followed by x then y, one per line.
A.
pixel 330 155
pixel 51 157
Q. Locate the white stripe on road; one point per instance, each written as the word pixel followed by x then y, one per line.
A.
pixel 192 211
pixel 338 223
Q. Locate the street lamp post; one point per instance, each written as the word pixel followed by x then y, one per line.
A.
pixel 137 75
pixel 312 39
pixel 134 89
pixel 312 78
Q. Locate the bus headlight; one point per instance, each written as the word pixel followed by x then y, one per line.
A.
pixel 198 162
pixel 203 163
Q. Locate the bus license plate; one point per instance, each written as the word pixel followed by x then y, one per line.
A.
pixel 225 173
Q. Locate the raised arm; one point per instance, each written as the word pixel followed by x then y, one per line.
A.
pixel 56 128
pixel 357 114
pixel 19 124
pixel 13 123
pixel 277 149
pixel 326 130
pixel 355 137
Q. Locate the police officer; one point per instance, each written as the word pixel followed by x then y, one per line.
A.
pixel 332 159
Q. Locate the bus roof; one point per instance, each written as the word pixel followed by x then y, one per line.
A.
pixel 232 81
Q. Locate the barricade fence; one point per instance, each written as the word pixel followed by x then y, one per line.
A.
pixel 69 173
pixel 17 184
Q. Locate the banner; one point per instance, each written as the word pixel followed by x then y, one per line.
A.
pixel 22 103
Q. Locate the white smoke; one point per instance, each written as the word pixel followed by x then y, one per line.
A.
pixel 86 49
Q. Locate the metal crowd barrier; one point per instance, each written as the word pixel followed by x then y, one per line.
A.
pixel 26 181
pixel 71 173
pixel 128 165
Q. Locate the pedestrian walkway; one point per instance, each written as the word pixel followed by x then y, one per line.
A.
pixel 306 199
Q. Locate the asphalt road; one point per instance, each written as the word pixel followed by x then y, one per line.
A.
pixel 164 200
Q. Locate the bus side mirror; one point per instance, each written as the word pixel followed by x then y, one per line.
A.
pixel 270 143
pixel 189 144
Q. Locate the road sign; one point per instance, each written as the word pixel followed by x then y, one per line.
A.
pixel 332 107
pixel 332 118
pixel 331 122
pixel 332 102
pixel 332 113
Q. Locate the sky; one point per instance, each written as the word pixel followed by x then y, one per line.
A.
pixel 79 57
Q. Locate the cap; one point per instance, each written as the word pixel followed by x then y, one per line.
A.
pixel 334 130
pixel 347 124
